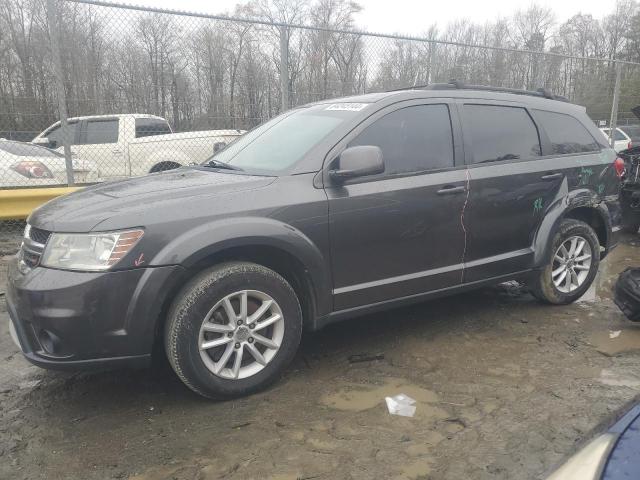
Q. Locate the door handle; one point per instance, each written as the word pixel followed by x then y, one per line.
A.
pixel 451 189
pixel 552 176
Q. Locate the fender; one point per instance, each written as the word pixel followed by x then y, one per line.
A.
pixel 564 202
pixel 193 246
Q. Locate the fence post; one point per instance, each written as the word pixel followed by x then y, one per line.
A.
pixel 54 38
pixel 613 123
pixel 284 67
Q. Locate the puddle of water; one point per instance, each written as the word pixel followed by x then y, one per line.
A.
pixel 609 377
pixel 627 340
pixel 358 398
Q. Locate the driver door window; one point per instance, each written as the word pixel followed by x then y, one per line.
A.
pixel 412 139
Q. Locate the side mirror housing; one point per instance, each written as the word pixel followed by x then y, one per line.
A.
pixel 357 162
pixel 45 142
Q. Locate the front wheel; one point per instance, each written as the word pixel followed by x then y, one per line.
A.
pixel 233 329
pixel 572 264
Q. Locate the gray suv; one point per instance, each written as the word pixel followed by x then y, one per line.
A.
pixel 326 212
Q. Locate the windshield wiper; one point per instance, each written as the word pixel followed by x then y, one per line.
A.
pixel 221 165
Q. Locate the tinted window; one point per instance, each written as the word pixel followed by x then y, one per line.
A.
pixel 633 131
pixel 101 131
pixel 55 134
pixel 147 127
pixel 412 139
pixel 619 135
pixel 26 150
pixel 501 133
pixel 566 133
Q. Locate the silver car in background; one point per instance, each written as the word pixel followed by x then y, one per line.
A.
pixel 28 165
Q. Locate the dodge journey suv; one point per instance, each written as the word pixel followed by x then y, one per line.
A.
pixel 326 212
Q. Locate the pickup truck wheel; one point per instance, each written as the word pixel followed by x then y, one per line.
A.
pixel 572 264
pixel 233 329
pixel 163 166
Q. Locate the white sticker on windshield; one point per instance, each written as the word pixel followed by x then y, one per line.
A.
pixel 348 107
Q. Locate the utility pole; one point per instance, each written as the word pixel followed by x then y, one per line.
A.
pixel 284 67
pixel 54 38
pixel 614 108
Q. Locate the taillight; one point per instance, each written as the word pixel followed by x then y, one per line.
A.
pixel 629 145
pixel 618 164
pixel 32 169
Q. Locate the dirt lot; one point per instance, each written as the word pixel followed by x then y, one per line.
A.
pixel 506 388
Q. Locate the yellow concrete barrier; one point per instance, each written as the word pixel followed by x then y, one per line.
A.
pixel 18 203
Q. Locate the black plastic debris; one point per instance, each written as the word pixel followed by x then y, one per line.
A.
pixel 365 357
pixel 627 293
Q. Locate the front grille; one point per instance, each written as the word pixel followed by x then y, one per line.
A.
pixel 33 245
pixel 38 235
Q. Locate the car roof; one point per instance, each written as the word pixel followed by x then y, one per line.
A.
pixel 114 115
pixel 531 100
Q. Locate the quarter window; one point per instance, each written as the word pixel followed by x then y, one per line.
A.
pixel 501 133
pixel 566 133
pixel 101 131
pixel 412 139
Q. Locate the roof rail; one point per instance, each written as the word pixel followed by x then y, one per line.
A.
pixel 458 85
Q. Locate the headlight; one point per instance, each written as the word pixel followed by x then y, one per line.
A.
pixel 88 251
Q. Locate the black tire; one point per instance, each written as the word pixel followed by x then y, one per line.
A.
pixel 631 225
pixel 542 285
pixel 631 228
pixel 190 308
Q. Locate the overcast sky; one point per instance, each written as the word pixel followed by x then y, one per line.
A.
pixel 413 17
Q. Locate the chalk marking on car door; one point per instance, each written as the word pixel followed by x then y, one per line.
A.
pixel 464 206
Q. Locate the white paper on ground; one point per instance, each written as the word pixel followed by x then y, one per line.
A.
pixel 401 404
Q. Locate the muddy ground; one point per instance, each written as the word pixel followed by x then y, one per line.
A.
pixel 506 389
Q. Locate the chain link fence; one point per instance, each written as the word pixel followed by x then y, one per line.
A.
pixel 93 91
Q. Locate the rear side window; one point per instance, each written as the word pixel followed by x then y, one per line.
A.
pixel 412 139
pixel 55 134
pixel 148 127
pixel 100 131
pixel 566 133
pixel 619 135
pixel 501 133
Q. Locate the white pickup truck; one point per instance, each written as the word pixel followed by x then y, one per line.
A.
pixel 134 144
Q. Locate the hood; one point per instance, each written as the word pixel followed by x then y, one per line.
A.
pixel 180 189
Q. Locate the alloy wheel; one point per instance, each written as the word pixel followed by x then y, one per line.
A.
pixel 571 264
pixel 241 334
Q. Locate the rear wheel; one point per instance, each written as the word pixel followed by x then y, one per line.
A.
pixel 233 329
pixel 572 264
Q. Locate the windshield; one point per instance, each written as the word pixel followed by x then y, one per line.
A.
pixel 278 144
pixel 27 150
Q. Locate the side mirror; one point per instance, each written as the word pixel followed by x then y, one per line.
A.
pixel 356 162
pixel 45 142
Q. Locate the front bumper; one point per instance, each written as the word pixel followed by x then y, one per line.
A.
pixel 73 320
